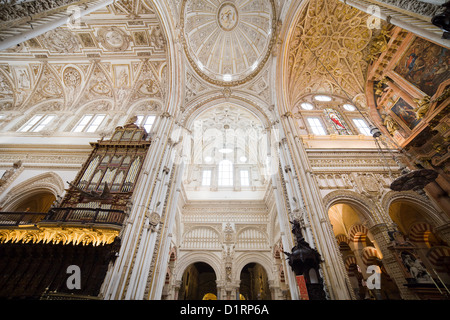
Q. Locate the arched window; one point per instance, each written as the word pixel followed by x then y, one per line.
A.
pixel 225 173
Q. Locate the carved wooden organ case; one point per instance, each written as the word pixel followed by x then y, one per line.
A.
pixel 106 181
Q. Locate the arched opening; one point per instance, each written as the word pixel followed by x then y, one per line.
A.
pixel 254 283
pixel 355 276
pixel 422 254
pixel 227 155
pixel 359 251
pixel 39 202
pixel 198 282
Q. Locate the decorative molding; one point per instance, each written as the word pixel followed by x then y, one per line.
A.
pixel 63 235
pixel 338 35
pixel 10 175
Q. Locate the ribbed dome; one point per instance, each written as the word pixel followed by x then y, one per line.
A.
pixel 227 42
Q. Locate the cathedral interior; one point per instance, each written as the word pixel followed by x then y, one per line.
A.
pixel 224 149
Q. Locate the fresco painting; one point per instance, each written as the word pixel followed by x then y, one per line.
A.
pixel 425 65
pixel 405 113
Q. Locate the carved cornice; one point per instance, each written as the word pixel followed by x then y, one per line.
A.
pixel 59 235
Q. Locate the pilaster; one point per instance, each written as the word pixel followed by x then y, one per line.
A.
pixel 132 265
pixel 334 274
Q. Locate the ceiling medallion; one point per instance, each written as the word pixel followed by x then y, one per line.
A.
pixel 227 16
pixel 228 42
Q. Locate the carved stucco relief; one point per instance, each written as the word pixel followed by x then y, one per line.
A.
pixel 329 42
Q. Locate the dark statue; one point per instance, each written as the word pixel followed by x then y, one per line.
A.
pixel 302 260
pixel 303 257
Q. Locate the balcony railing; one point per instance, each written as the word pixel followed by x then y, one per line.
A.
pixel 64 215
pixel 86 215
pixel 15 219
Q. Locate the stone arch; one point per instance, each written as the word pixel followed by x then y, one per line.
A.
pixel 353 199
pixel 350 264
pixel 410 197
pixel 138 106
pixel 253 257
pixel 342 238
pixel 50 106
pixel 45 182
pixel 213 99
pixel 290 18
pixel 174 82
pixel 370 255
pixel 418 231
pixel 358 233
pixel 439 257
pixel 206 257
pixel 89 106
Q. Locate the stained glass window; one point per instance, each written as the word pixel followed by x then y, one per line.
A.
pixel 336 121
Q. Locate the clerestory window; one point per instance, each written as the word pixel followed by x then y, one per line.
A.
pixel 225 173
pixel 89 123
pixel 37 123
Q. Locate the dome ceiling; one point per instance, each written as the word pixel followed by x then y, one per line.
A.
pixel 228 42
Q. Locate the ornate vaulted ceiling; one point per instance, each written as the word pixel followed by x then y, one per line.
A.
pixel 113 59
pixel 338 36
pixel 228 42
pixel 117 57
